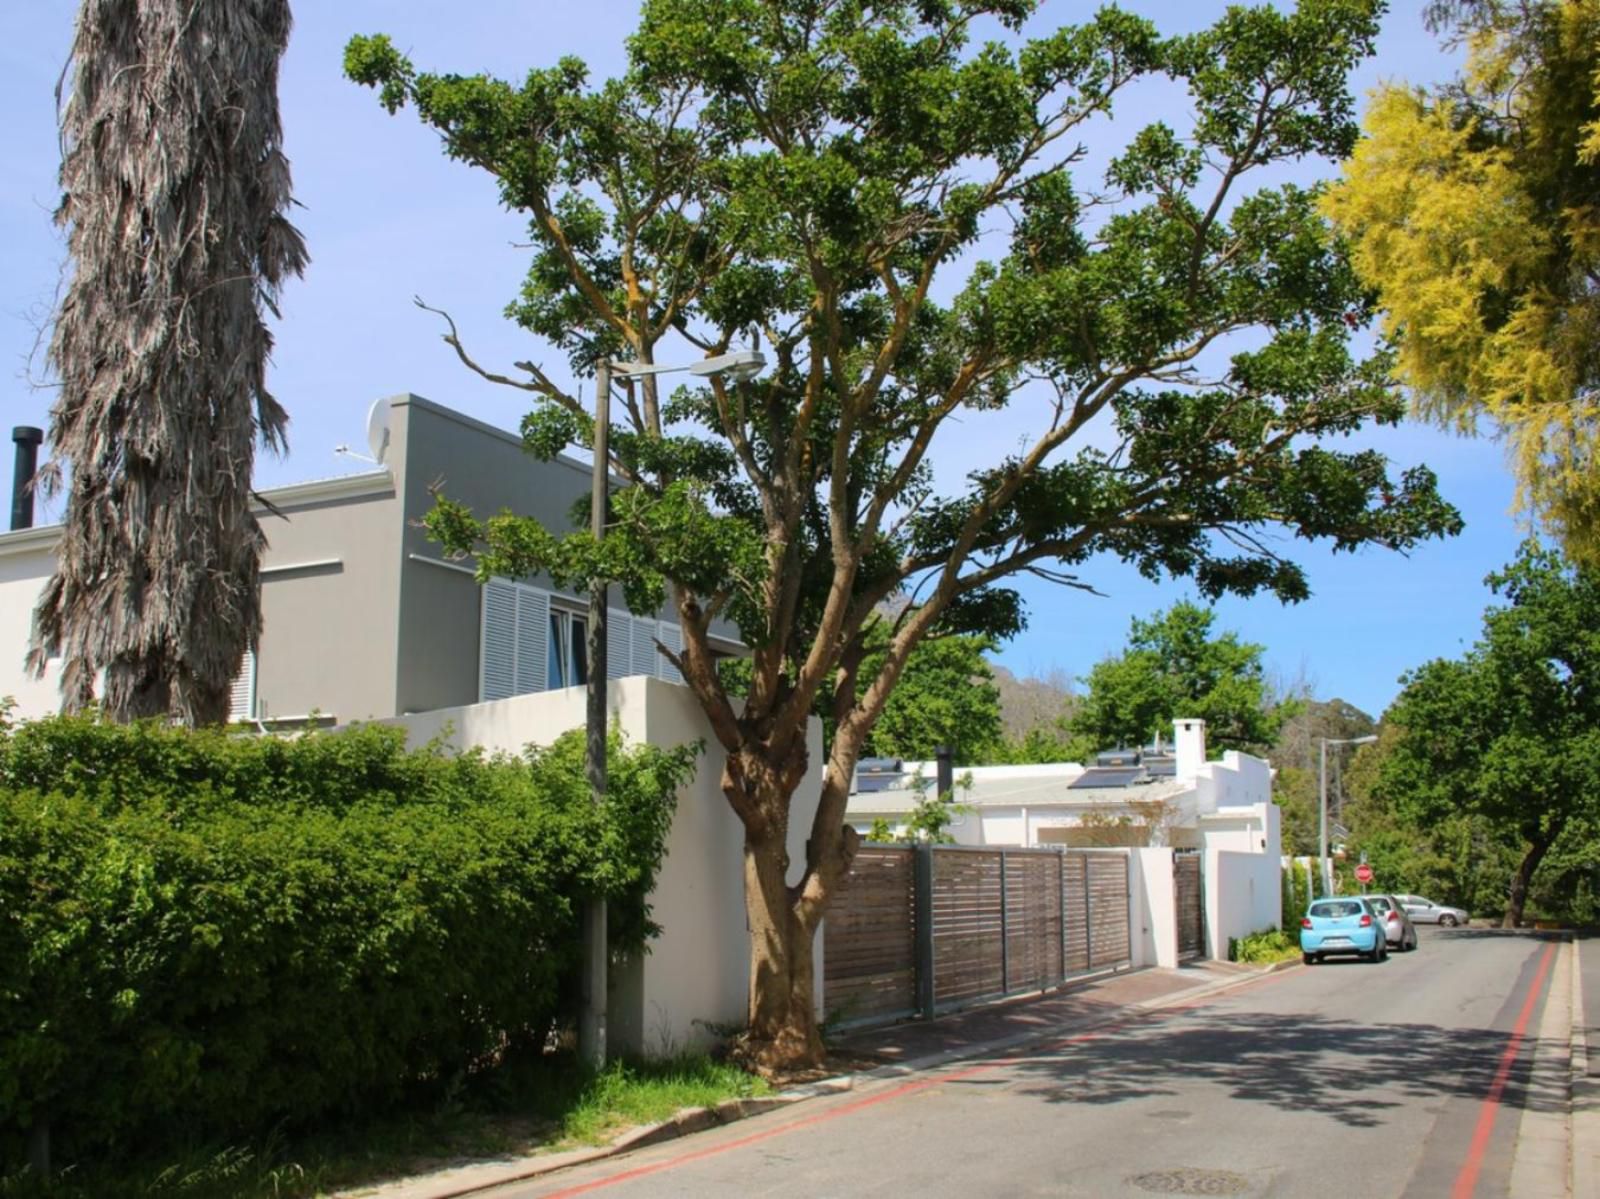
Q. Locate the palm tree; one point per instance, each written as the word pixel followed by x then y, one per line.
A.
pixel 175 190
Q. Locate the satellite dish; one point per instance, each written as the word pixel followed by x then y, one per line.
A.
pixel 378 429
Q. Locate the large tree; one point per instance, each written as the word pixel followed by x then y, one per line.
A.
pixel 1510 731
pixel 174 193
pixel 1473 210
pixel 1176 666
pixel 890 208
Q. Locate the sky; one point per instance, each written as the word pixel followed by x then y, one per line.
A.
pixel 387 218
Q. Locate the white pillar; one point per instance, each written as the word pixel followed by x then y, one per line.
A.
pixel 1189 747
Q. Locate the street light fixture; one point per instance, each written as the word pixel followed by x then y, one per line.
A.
pixel 1322 790
pixel 737 366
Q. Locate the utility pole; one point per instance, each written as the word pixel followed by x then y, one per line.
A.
pixel 596 953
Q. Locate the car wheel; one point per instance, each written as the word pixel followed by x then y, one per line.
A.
pixel 1448 921
pixel 1308 958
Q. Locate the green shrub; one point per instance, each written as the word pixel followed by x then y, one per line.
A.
pixel 1268 945
pixel 208 935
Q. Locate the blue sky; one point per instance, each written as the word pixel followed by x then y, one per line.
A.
pixel 386 217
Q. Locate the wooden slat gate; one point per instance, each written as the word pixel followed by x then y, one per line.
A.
pixel 1190 905
pixel 934 928
pixel 869 940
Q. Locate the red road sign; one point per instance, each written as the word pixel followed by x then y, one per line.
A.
pixel 1363 873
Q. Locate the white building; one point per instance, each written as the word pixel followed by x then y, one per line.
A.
pixel 1155 805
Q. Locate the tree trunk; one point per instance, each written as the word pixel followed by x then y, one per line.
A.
pixel 1521 879
pixel 783 1033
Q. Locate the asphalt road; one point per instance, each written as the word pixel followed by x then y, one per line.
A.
pixel 1344 1079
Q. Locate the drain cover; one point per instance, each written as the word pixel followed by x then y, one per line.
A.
pixel 1188 1180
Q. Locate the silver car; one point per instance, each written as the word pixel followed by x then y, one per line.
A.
pixel 1425 911
pixel 1397 927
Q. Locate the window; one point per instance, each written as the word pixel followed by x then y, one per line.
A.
pixel 242 696
pixel 528 643
pixel 567 650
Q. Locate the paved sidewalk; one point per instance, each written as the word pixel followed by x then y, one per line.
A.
pixel 989 1029
pixel 902 1048
pixel 1584 982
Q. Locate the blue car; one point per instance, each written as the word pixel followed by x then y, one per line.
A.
pixel 1347 925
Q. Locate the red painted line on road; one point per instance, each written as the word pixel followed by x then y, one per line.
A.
pixel 909 1088
pixel 1467 1180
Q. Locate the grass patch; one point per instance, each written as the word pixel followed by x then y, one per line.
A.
pixel 1264 948
pixel 540 1104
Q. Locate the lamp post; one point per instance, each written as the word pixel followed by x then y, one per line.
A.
pixel 1322 790
pixel 737 366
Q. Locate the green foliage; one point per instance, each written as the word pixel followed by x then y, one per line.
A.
pixel 1497 753
pixel 1295 792
pixel 1175 667
pixel 1471 211
pixel 945 696
pixel 808 173
pixel 1264 947
pixel 206 935
pixel 531 1101
pixel 929 822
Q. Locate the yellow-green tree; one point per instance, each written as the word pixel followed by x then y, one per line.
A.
pixel 1473 208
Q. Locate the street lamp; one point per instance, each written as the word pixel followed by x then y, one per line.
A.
pixel 736 366
pixel 1322 790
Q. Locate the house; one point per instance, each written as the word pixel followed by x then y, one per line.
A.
pixel 364 619
pixel 1159 807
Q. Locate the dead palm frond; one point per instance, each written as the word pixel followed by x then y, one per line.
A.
pixel 174 193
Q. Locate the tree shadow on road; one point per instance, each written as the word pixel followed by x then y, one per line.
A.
pixel 1348 1071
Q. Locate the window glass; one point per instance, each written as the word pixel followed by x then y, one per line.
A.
pixel 579 635
pixel 1380 903
pixel 1337 908
pixel 555 653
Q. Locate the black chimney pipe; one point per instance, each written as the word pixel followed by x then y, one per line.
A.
pixel 27 438
pixel 946 772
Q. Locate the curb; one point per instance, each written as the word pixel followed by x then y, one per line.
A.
pixel 1583 1162
pixel 469 1180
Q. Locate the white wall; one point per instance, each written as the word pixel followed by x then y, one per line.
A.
pixel 1154 911
pixel 1243 895
pixel 1239 780
pixel 23 571
pixel 697 970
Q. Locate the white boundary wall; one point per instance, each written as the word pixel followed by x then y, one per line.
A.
pixel 694 980
pixel 1243 895
pixel 1154 912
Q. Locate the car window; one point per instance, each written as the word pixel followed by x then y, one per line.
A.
pixel 1337 908
pixel 1380 902
pixel 1423 903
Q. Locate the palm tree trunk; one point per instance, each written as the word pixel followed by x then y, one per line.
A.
pixel 174 192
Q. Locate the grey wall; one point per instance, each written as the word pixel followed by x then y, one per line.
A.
pixel 486 469
pixel 330 630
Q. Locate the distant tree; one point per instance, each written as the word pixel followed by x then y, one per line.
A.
pixel 946 696
pixel 1471 208
pixel 1174 667
pixel 174 192
pixel 1032 702
pixel 1294 790
pixel 1510 732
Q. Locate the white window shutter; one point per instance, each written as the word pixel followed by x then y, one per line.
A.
pixel 619 642
pixel 672 638
pixel 497 653
pixel 242 696
pixel 533 635
pixel 645 658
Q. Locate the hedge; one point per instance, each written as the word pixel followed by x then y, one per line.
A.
pixel 209 935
